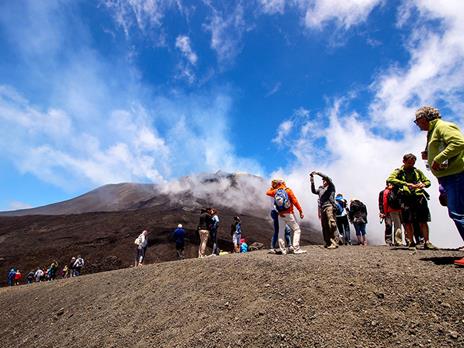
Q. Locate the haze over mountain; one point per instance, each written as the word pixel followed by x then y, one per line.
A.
pixel 238 191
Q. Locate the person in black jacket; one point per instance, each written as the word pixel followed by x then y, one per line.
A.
pixel 358 217
pixel 203 230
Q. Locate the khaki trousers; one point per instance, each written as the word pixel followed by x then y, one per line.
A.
pixel 204 234
pixel 329 224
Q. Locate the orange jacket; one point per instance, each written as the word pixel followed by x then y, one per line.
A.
pixel 291 196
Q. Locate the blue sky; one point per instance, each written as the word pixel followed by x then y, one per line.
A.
pixel 96 92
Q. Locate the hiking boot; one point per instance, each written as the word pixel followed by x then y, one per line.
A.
pixel 290 250
pixel 272 251
pixel 459 262
pixel 299 251
pixel 429 246
pixel 332 246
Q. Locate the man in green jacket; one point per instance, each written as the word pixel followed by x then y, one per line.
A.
pixel 445 156
pixel 411 182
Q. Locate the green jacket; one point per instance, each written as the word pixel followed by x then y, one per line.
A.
pixel 445 142
pixel 401 178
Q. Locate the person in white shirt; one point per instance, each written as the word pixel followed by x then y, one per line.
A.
pixel 142 243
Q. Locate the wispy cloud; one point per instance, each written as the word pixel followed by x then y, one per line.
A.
pixel 183 44
pixel 189 60
pixel 145 16
pixel 435 70
pixel 272 6
pixel 275 88
pixel 226 28
pixel 92 130
pixel 16 205
pixel 344 13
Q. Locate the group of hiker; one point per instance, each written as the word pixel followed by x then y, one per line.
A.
pixel 333 211
pixel 71 269
pixel 208 227
pixel 403 202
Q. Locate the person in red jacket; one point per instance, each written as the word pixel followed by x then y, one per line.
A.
pixel 284 200
pixel 390 211
pixel 18 277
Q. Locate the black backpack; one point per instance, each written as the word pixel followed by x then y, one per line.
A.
pixel 394 199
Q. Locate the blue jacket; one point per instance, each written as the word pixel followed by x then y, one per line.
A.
pixel 179 235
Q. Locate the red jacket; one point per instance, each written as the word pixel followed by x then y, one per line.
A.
pixel 291 197
pixel 386 208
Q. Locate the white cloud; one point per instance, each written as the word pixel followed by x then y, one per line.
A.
pixel 16 205
pixel 434 72
pixel 344 13
pixel 226 32
pixel 282 132
pixel 190 59
pixel 91 130
pixel 275 88
pixel 145 15
pixel 273 6
pixel 183 44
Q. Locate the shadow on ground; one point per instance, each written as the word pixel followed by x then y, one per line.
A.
pixel 443 260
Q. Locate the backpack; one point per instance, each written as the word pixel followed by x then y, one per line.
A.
pixel 338 208
pixel 393 199
pixel 281 200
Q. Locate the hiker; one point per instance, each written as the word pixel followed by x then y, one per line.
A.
pixel 410 181
pixel 243 246
pixel 71 266
pixel 39 275
pixel 358 217
pixel 284 201
pixel 65 272
pixel 203 230
pixel 327 205
pixel 30 277
pixel 17 277
pixel 78 264
pixel 213 230
pixel 342 219
pixel 390 212
pixel 52 270
pixel 445 156
pixel 11 277
pixel 275 220
pixel 179 238
pixel 236 232
pixel 142 243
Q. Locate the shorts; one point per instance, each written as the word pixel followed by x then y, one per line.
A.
pixel 415 209
pixel 236 238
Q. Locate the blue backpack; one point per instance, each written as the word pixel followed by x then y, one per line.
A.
pixel 338 208
pixel 281 200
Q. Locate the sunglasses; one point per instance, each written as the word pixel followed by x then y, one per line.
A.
pixel 417 120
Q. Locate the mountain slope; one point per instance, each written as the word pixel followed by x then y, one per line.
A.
pixel 350 297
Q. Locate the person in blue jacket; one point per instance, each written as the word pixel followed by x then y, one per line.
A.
pixel 11 277
pixel 179 238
